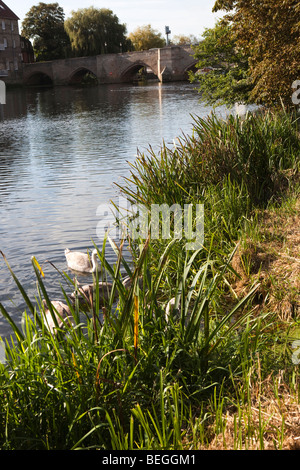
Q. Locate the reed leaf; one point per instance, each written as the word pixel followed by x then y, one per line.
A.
pixel 18 334
pixel 19 286
pixel 136 325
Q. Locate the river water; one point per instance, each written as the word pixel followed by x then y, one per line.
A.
pixel 61 151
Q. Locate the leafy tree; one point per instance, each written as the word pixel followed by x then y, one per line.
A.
pixel 268 32
pixel 44 24
pixel 225 80
pixel 181 39
pixel 145 37
pixel 95 31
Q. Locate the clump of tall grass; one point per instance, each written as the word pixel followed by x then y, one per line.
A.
pixel 231 165
pixel 252 151
pixel 73 388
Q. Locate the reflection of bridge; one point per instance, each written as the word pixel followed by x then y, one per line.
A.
pixel 168 64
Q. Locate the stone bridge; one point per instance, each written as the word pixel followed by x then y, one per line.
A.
pixel 170 63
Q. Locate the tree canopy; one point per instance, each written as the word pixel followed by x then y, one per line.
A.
pixel 224 78
pixel 145 37
pixel 44 24
pixel 181 39
pixel 268 33
pixel 95 31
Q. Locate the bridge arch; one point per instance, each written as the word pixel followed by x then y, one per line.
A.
pixel 82 76
pixel 190 68
pixel 38 78
pixel 137 70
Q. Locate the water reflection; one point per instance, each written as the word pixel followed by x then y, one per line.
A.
pixel 61 150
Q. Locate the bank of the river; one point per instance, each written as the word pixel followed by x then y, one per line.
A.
pixel 221 371
pixel 262 410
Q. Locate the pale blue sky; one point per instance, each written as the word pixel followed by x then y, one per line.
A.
pixel 182 16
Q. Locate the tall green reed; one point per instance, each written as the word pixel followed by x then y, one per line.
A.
pixel 251 151
pixel 232 166
pixel 65 384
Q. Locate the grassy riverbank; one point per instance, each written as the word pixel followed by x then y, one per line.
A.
pixel 220 372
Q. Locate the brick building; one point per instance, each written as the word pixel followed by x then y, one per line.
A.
pixel 10 46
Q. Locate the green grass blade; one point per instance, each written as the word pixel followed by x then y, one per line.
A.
pixel 19 335
pixel 19 285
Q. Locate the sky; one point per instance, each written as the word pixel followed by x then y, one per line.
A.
pixel 184 17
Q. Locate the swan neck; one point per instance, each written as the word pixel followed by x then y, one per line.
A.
pixel 94 261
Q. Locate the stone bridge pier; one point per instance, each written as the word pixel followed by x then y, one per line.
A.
pixel 170 63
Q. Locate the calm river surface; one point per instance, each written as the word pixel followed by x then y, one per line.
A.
pixel 61 150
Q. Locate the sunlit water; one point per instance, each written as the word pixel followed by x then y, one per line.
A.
pixel 61 151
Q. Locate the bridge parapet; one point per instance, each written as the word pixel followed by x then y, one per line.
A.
pixel 168 64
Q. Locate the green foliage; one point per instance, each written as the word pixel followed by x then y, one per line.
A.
pixel 44 24
pixel 127 375
pixel 250 153
pixel 145 37
pixel 231 166
pixel 95 31
pixel 228 81
pixel 59 391
pixel 253 151
pixel 267 32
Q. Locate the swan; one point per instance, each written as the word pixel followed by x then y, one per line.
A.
pixel 171 310
pixel 62 314
pixel 86 292
pixel 127 282
pixel 81 262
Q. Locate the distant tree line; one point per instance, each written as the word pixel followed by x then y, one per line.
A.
pixel 88 31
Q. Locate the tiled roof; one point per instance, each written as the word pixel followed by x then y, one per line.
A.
pixel 6 12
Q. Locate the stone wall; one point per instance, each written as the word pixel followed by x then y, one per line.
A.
pixel 10 51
